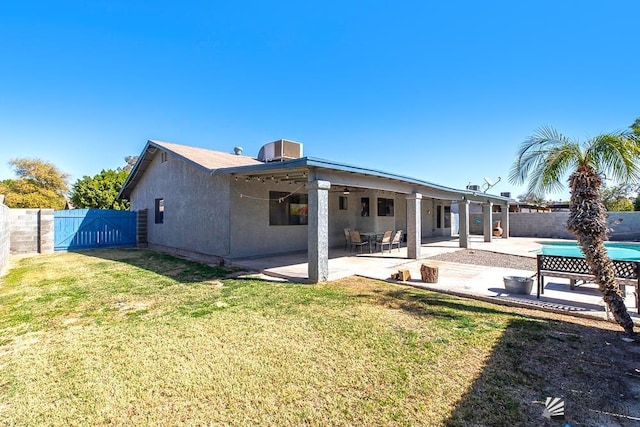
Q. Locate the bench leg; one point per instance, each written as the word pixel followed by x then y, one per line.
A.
pixel 540 285
pixel 572 284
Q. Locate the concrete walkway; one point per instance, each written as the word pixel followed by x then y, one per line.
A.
pixel 480 282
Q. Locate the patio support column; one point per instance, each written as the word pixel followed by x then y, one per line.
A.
pixel 414 225
pixel 505 221
pixel 318 231
pixel 487 215
pixel 463 210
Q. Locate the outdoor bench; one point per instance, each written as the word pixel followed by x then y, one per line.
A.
pixel 576 268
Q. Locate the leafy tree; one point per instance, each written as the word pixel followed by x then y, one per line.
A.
pixel 131 161
pixel 100 191
pixel 531 199
pixel 547 156
pixel 636 204
pixel 617 198
pixel 619 205
pixel 635 127
pixel 39 184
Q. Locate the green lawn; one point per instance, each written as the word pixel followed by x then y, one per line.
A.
pixel 131 337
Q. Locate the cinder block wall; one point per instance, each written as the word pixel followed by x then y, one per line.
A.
pixel 539 224
pixel 623 226
pixel 31 231
pixel 5 238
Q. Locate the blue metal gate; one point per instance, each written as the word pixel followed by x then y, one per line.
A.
pixel 93 228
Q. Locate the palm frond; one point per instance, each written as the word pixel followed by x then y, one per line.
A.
pixel 547 156
pixel 616 156
pixel 542 160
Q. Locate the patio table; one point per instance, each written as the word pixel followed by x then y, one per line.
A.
pixel 371 237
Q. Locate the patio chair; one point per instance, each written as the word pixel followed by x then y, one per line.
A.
pixel 384 241
pixel 347 239
pixel 397 240
pixel 356 240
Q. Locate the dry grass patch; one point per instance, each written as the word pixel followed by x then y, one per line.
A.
pixel 130 337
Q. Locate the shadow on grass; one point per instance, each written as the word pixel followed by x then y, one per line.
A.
pixel 421 303
pixel 179 269
pixel 535 359
pixel 589 367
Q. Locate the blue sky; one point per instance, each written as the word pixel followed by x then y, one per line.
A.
pixel 442 91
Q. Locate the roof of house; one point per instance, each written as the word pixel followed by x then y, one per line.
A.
pixel 205 158
pixel 219 162
pixel 201 158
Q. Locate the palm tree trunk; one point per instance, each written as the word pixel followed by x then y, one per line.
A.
pixel 588 222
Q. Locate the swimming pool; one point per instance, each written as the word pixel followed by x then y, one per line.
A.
pixel 618 251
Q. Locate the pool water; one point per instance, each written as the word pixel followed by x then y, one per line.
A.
pixel 617 251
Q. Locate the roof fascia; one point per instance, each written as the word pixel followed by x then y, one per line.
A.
pixel 124 192
pixel 326 164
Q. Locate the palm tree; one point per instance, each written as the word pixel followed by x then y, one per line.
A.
pixel 544 158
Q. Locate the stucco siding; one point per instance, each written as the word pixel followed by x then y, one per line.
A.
pixel 196 207
pixel 251 234
pixel 341 219
pixel 428 218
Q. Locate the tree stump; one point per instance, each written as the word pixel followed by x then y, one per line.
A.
pixel 429 273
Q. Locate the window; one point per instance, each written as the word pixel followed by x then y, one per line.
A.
pixel 364 206
pixel 163 156
pixel 285 209
pixel 159 211
pixel 343 204
pixel 385 207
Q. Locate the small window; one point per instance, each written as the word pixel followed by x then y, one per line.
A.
pixel 343 204
pixel 385 207
pixel 288 209
pixel 163 156
pixel 159 211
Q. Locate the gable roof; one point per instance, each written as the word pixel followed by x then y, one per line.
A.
pixel 214 162
pixel 209 160
pixel 201 158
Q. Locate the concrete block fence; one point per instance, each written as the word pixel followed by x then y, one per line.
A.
pixel 5 237
pixel 24 231
pixel 31 231
pixel 623 226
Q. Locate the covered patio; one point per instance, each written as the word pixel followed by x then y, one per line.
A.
pixel 340 196
pixel 475 281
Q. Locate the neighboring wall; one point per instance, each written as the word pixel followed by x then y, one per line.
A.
pixel 624 226
pixel 31 230
pixel 5 241
pixel 538 224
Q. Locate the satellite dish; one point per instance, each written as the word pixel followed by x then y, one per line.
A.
pixel 489 184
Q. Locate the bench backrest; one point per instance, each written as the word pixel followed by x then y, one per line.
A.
pixel 567 264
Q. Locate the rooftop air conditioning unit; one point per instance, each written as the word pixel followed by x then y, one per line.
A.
pixel 473 187
pixel 280 150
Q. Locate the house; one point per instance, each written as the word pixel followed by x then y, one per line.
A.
pixel 224 206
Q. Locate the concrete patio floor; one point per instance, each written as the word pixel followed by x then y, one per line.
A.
pixel 475 281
